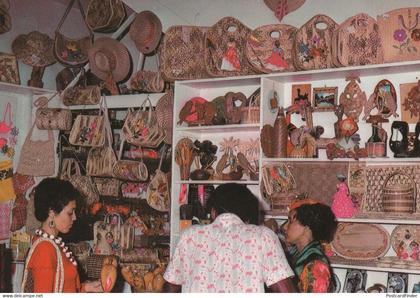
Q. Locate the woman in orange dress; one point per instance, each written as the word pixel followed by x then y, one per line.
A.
pixel 50 266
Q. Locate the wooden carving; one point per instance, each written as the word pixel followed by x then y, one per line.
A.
pixel 353 99
pixel 233 111
pixel 384 99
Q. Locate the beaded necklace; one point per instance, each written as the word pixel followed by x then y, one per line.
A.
pixel 59 241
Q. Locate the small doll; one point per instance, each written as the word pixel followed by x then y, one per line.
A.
pixel 342 203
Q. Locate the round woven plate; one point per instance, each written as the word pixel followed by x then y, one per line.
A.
pixel 400 232
pixel 361 241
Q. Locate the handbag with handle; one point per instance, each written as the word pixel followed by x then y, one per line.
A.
pixel 225 49
pixel 270 53
pixel 130 170
pixel 109 187
pixel 101 160
pixel 357 41
pixel 312 46
pixel 141 127
pixel 400 32
pixel 81 95
pixel 51 118
pixel 157 195
pixel 89 130
pixel 72 52
pixel 105 15
pixel 37 158
pixel 182 53
pixel 70 170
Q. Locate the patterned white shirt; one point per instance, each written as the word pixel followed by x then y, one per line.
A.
pixel 227 256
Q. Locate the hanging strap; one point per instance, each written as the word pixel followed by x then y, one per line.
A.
pixel 402 22
pixel 8 112
pixel 66 13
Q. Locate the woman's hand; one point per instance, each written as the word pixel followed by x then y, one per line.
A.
pixel 93 286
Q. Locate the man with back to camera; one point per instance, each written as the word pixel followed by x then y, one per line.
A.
pixel 232 254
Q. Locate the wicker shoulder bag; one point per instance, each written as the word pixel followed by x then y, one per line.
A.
pixel 141 127
pixel 72 52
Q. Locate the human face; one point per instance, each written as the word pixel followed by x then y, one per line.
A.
pixel 63 221
pixel 293 229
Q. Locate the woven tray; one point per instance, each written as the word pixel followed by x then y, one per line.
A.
pixel 400 232
pixel 360 241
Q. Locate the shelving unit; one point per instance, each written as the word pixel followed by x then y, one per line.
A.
pixel 370 75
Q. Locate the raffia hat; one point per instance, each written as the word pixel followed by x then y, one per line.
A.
pixel 34 48
pixel 164 114
pixel 109 56
pixel 146 31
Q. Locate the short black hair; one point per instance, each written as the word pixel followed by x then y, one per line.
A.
pixel 319 218
pixel 237 199
pixel 53 194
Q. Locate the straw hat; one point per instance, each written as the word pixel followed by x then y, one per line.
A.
pixel 35 49
pixel 108 55
pixel 164 114
pixel 146 31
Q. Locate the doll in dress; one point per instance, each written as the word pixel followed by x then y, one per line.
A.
pixel 230 59
pixel 276 60
pixel 342 203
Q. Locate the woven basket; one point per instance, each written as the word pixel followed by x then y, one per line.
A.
pixel 398 196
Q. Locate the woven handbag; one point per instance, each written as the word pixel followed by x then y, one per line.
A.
pixel 158 190
pixel 51 118
pixel 101 160
pixel 109 187
pixel 400 32
pixel 37 158
pixel 312 46
pixel 72 52
pixel 141 127
pixel 90 130
pixel 224 45
pixel 267 53
pixel 182 53
pixel 18 213
pixel 105 15
pixel 251 112
pixel 130 170
pixel 81 95
pixel 358 41
pixel 147 81
pixel 83 184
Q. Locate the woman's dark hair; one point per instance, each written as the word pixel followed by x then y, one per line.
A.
pixel 319 218
pixel 53 194
pixel 237 199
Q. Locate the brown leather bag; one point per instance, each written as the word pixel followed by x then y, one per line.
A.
pixel 68 51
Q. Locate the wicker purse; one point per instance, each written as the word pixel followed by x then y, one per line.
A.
pixel 130 170
pixel 83 184
pixel 81 95
pixel 225 49
pixel 357 41
pixel 101 160
pixel 109 187
pixel 147 81
pixel 251 112
pixel 141 127
pixel 157 195
pixel 182 53
pixel 37 158
pixel 271 54
pixel 72 52
pixel 105 15
pixel 51 118
pixel 312 46
pixel 400 32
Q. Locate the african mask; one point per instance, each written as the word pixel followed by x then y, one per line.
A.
pixel 353 99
